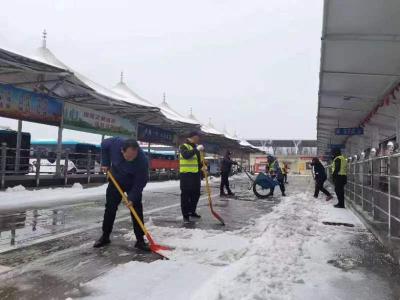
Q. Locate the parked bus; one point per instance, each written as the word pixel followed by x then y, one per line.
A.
pixel 10 138
pixel 78 155
pixel 163 163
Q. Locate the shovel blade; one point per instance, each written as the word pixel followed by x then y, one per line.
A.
pixel 156 248
pixel 218 217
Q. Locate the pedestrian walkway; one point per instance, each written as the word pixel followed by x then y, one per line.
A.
pixel 269 249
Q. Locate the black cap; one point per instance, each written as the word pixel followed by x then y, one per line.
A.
pixel 336 152
pixel 194 133
pixel 130 143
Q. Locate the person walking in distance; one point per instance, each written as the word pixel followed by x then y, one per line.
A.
pixel 226 168
pixel 285 171
pixel 320 178
pixel 339 176
pixel 190 176
pixel 128 164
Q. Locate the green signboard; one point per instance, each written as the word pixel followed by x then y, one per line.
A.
pixel 85 119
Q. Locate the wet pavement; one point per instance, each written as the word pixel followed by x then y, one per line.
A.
pixel 48 254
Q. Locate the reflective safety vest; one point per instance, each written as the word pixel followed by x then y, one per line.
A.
pixel 343 165
pixel 284 170
pixel 190 165
pixel 271 167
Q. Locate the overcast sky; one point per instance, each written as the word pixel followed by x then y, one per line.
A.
pixel 251 66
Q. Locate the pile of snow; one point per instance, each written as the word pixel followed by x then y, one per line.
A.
pixel 17 188
pixel 77 185
pixel 279 257
pixel 18 197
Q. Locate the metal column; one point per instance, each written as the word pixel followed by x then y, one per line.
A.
pixel 18 148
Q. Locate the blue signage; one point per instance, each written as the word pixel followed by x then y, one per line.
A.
pixel 211 148
pixel 337 146
pixel 157 135
pixel 349 131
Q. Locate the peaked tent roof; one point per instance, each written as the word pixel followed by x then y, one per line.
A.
pixel 205 128
pixel 165 108
pixel 171 119
pixel 43 72
pixel 133 106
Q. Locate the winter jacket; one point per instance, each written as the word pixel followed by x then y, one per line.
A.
pixel 319 172
pixel 226 165
pixel 131 175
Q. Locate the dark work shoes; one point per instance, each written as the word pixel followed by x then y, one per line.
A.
pixel 195 215
pixel 142 245
pixel 101 242
pixel 339 206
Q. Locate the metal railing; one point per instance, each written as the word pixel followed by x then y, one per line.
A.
pixel 373 188
pixel 30 163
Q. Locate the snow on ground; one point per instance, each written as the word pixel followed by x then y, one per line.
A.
pixel 283 255
pixel 19 197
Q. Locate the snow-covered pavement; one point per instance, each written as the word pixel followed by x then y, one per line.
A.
pixel 268 250
pixel 19 197
pixel 284 255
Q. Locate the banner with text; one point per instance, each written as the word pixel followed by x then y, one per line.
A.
pixel 86 119
pixel 349 131
pixel 152 134
pixel 24 105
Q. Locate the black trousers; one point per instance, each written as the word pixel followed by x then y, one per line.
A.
pixel 281 186
pixel 319 186
pixel 113 199
pixel 190 192
pixel 285 178
pixel 340 182
pixel 225 183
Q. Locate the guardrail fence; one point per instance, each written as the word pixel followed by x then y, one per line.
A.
pixel 39 165
pixel 373 187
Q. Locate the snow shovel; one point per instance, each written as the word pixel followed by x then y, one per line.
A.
pixel 153 246
pixel 213 212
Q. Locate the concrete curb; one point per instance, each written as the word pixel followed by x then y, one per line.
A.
pixel 392 246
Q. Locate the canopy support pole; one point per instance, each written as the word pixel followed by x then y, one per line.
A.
pixel 149 157
pixel 18 148
pixel 59 146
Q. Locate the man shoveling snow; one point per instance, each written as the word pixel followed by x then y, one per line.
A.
pixel 129 165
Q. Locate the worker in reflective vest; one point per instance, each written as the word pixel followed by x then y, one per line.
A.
pixel 190 176
pixel 275 171
pixel 285 171
pixel 339 176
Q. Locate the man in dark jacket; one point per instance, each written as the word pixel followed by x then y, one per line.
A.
pixel 320 177
pixel 339 176
pixel 190 176
pixel 226 168
pixel 129 165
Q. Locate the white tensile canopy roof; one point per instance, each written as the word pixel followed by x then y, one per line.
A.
pixel 171 113
pixel 360 67
pixel 245 143
pixel 228 135
pixel 44 72
pixel 210 130
pixel 133 106
pixel 172 119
